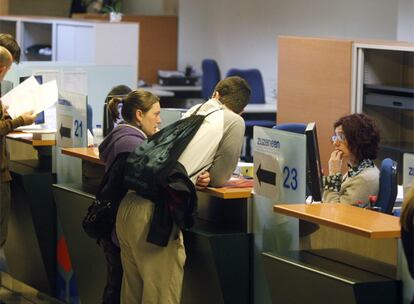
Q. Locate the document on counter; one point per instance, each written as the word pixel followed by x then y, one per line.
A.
pixel 30 96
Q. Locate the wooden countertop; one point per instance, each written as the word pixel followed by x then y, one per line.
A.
pixel 89 154
pixel 364 222
pixel 27 139
pixel 92 155
pixel 229 193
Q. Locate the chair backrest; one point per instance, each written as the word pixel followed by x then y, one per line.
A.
pixel 292 127
pixel 89 117
pixel 255 81
pixel 388 186
pixel 211 76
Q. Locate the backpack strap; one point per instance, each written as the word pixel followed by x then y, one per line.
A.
pixel 196 111
pixel 200 170
pixel 107 174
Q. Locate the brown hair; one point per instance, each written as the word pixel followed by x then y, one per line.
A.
pixel 234 93
pixel 5 57
pixel 362 135
pixel 135 100
pixel 8 41
pixel 407 209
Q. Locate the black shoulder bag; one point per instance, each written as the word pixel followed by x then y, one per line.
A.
pixel 100 218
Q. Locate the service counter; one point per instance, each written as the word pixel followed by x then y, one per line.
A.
pixel 345 252
pixel 218 266
pixel 30 250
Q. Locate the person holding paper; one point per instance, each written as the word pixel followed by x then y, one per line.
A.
pixel 8 41
pixel 7 125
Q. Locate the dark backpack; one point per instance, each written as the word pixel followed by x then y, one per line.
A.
pixel 100 218
pixel 153 171
pixel 149 165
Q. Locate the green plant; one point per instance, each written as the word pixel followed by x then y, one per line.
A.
pixel 103 6
pixel 112 6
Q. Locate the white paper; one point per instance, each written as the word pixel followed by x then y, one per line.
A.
pixel 30 96
pixel 40 131
pixel 48 75
pixel 20 135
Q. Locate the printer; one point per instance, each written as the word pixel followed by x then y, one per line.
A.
pixel 176 78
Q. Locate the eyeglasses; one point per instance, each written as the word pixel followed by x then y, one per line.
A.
pixel 338 137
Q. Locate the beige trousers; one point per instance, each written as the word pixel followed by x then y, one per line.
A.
pixel 152 274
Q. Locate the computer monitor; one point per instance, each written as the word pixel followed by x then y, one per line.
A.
pixel 5 87
pixel 314 168
pixel 40 118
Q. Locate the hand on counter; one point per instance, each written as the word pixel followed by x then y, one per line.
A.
pixel 203 180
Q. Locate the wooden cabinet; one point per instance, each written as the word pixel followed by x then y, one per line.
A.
pixel 86 41
pixel 158 39
pixel 323 79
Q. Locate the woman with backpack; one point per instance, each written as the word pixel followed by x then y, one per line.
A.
pixel 139 119
pixel 140 115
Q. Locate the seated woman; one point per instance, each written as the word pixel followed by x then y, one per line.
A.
pixel 407 229
pixel 356 141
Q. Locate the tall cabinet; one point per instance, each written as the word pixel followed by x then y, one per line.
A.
pixel 323 79
pixel 64 39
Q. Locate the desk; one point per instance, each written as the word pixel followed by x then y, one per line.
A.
pixel 90 154
pixel 31 247
pixel 261 108
pixel 181 91
pixel 27 139
pixel 159 92
pixel 177 88
pixel 346 252
pixel 229 193
pixel 364 222
pixel 348 228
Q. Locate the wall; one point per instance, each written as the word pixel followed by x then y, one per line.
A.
pixel 150 7
pixel 242 33
pixel 405 29
pixel 58 8
pixel 4 7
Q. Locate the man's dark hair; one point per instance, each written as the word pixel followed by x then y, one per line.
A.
pixel 362 135
pixel 8 41
pixel 234 93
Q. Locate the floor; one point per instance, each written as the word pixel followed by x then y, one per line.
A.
pixel 13 291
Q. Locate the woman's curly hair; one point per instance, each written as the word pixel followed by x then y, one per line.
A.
pixel 362 135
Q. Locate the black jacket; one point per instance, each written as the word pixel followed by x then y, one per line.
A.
pixel 178 204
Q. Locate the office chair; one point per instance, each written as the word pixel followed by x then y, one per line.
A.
pixel 89 117
pixel 388 186
pixel 211 76
pixel 255 81
pixel 292 127
pixel 257 96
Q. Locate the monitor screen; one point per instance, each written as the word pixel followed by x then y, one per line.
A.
pixel 40 118
pixel 314 174
pixel 5 87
